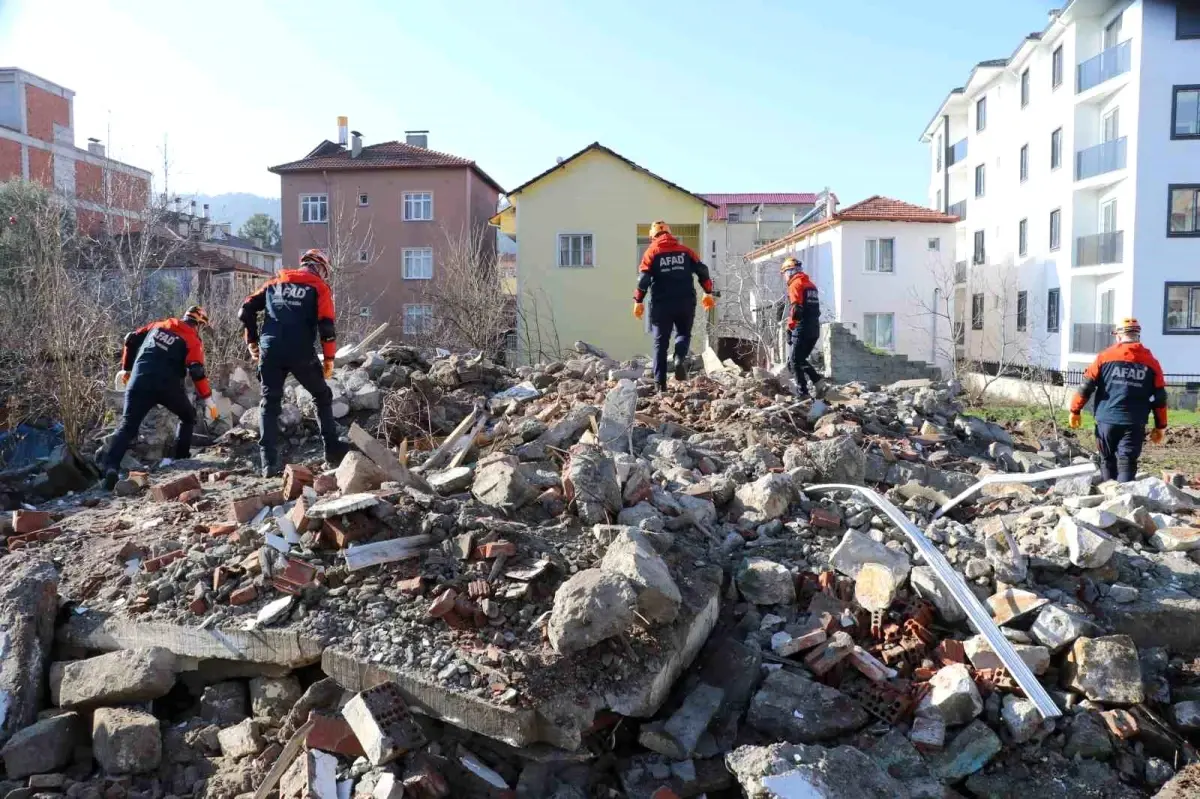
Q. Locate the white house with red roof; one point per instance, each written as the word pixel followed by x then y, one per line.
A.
pixel 883 268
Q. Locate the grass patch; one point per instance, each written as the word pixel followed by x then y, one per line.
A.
pixel 997 412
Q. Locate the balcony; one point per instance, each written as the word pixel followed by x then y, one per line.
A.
pixel 960 272
pixel 959 209
pixel 1106 157
pixel 956 152
pixel 1109 64
pixel 1100 248
pixel 1090 337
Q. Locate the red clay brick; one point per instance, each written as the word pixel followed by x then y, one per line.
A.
pixel 199 606
pixel 243 595
pixel 297 517
pixel 324 484
pixel 162 561
pixel 664 793
pixel 343 531
pixel 819 517
pixel 333 734
pixel 495 549
pixel 222 529
pixel 413 586
pixel 295 478
pixel 245 509
pixel 443 604
pixel 30 521
pixel 171 489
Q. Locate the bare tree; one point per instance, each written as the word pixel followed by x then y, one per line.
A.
pixel 472 310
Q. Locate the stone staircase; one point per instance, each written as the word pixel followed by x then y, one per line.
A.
pixel 847 359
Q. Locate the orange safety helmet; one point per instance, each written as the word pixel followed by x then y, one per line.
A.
pixel 317 261
pixel 790 263
pixel 658 228
pixel 196 315
pixel 1128 327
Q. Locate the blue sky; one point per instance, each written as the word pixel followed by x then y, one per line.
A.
pixel 757 95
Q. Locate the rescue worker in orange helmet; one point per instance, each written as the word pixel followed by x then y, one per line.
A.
pixel 297 309
pixel 154 360
pixel 804 323
pixel 667 270
pixel 1127 384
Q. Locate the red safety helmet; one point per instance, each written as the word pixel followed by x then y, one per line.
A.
pixel 317 261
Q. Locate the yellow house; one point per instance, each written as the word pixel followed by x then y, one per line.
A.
pixel 581 228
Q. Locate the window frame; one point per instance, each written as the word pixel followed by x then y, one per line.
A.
pixel 364 257
pixel 980 180
pixel 978 248
pixel 1056 155
pixel 978 309
pixel 981 118
pixel 406 252
pixel 1193 289
pixel 1022 311
pixel 876 315
pixel 1023 162
pixel 364 200
pixel 407 197
pixel 933 244
pixel 1025 87
pixel 1055 229
pixel 1175 90
pixel 1195 189
pixel 876 268
pixel 322 201
pixel 1057 68
pixel 558 241
pixel 1023 237
pixel 1182 36
pixel 404 316
pixel 1053 324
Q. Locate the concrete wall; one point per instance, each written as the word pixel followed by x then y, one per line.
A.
pixel 847 359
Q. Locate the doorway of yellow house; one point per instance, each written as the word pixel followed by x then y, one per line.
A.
pixel 688 236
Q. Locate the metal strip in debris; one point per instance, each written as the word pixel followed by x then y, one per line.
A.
pixel 963 596
pixel 1077 470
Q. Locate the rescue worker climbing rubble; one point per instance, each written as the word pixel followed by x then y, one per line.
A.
pixel 154 360
pixel 804 324
pixel 297 309
pixel 667 269
pixel 1127 383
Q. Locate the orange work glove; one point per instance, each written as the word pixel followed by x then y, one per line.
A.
pixel 210 405
pixel 328 368
pixel 1157 435
pixel 254 353
pixel 122 378
pixel 639 310
pixel 1076 421
pixel 708 302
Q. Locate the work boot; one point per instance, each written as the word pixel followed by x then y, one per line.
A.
pixel 334 453
pixel 271 464
pixel 110 479
pixel 662 387
pixel 681 370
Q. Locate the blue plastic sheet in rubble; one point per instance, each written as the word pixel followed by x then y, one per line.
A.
pixel 26 444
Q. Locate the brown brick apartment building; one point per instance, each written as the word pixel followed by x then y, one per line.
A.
pixel 385 214
pixel 37 143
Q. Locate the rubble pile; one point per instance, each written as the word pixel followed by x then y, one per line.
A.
pixel 564 584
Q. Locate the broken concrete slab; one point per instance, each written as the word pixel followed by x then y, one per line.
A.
pixel 1158 494
pixel 44 746
pixel 589 607
pixel 1157 618
pixel 341 506
pixel 1105 670
pixel 856 550
pixel 788 771
pixel 678 736
pixel 793 708
pixel 590 482
pixel 126 741
pixel 616 417
pixel 633 556
pixel 126 676
pixel 28 607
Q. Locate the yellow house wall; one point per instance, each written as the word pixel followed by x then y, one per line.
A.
pixel 603 196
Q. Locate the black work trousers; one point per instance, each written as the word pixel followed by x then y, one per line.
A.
pixel 275 365
pixel 663 322
pixel 139 401
pixel 802 346
pixel 1120 446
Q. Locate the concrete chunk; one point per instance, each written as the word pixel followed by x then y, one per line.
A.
pixel 1087 546
pixel 313 775
pixel 765 582
pixel 1057 629
pixel 677 738
pixel 767 498
pixel 500 484
pixel 632 556
pixel 1021 717
pixel 980 653
pixel 793 708
pixel 875 587
pixel 44 746
pixel 1012 604
pixel 857 550
pixel 929 587
pixel 358 473
pixel 28 608
pixel 126 741
pixel 340 506
pixel 125 676
pixel 273 697
pixel 1176 539
pixel 383 723
pixel 1105 670
pixel 240 740
pixel 970 751
pixel 588 608
pixel 954 694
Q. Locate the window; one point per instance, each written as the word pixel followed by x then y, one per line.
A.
pixel 1182 311
pixel 940 150
pixel 418 206
pixel 934 245
pixel 1024 162
pixel 1056 149
pixel 314 209
pixel 1185 113
pixel 575 249
pixel 879 330
pixel 981 114
pixel 978 255
pixel 364 311
pixel 881 255
pixel 979 180
pixel 735 216
pixel 418 263
pixel 417 319
pixel 363 256
pixel 1023 237
pixel 1184 210
pixel 363 200
pixel 1111 125
pixel 938 204
pixel 977 312
pixel 1022 310
pixel 1056 68
pixel 1052 311
pixel 1187 19
pixel 714 248
pixel 1055 228
pixel 1024 88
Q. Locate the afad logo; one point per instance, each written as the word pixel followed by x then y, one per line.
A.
pixel 1132 372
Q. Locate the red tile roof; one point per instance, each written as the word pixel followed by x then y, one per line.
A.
pixel 722 201
pixel 387 155
pixel 872 209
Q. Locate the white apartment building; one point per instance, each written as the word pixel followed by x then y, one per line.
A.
pixel 1074 167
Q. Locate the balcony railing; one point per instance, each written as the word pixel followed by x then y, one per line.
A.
pixel 959 209
pixel 1100 248
pixel 1102 158
pixel 960 272
pixel 956 152
pixel 1090 337
pixel 1109 64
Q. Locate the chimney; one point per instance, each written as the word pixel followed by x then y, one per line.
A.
pixel 355 144
pixel 343 126
pixel 192 212
pixel 95 147
pixel 176 204
pixel 417 138
pixel 830 205
pixel 206 212
pixel 1054 12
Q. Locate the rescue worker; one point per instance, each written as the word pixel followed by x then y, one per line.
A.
pixel 297 308
pixel 667 270
pixel 154 360
pixel 1128 385
pixel 804 323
